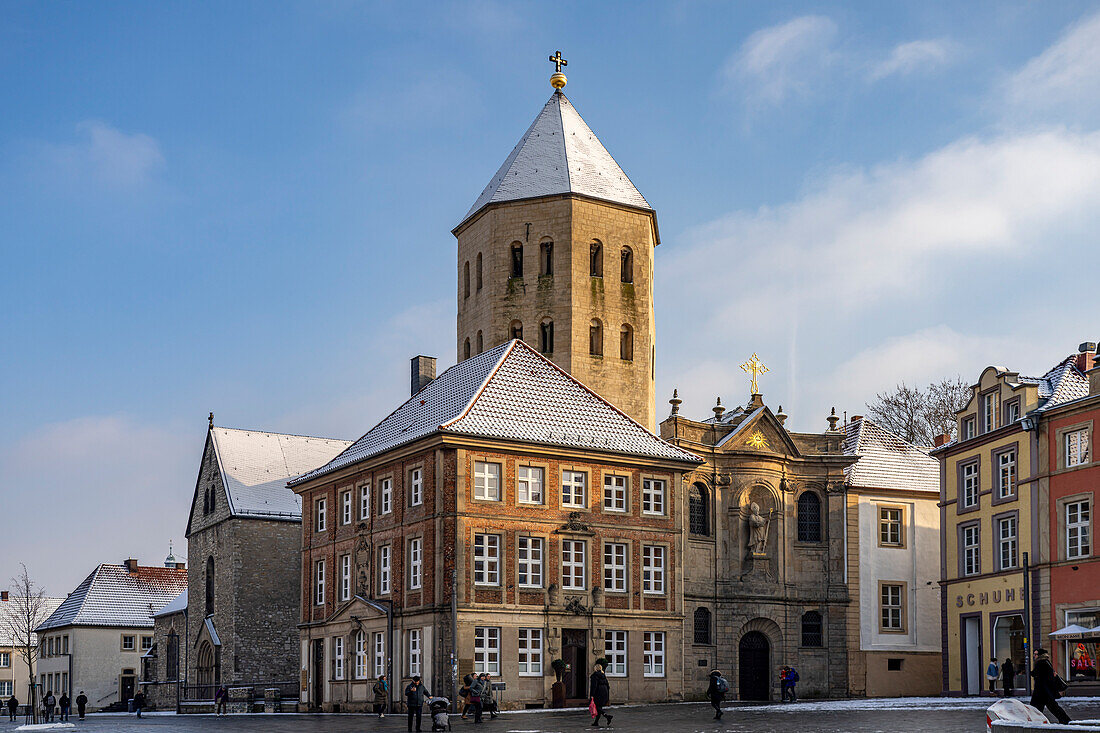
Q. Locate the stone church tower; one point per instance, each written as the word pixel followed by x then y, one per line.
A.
pixel 558 251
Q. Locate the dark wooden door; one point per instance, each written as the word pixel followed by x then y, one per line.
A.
pixel 574 646
pixel 753 667
pixel 318 672
pixel 126 687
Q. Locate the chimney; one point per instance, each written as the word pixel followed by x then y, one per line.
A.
pixel 3 595
pixel 423 372
pixel 1086 356
pixel 857 418
pixel 181 566
pixel 941 439
pixel 131 565
pixel 1094 373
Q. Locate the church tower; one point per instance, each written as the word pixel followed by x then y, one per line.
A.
pixel 558 251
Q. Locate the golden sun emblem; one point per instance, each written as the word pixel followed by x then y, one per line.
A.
pixel 757 440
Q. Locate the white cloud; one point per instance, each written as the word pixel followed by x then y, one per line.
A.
pixel 913 56
pixel 781 61
pixel 1064 79
pixel 104 156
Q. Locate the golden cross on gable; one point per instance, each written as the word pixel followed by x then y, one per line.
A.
pixel 756 368
pixel 558 61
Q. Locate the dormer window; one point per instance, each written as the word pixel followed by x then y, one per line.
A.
pixel 1012 411
pixel 989 404
pixel 967 429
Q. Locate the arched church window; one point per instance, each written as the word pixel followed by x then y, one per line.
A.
pixel 626 343
pixel 480 343
pixel 546 258
pixel 516 329
pixel 517 259
pixel 466 349
pixel 702 625
pixel 595 338
pixel 546 336
pixel 466 280
pixel 809 517
pixel 213 497
pixel 812 629
pixel 595 260
pixel 698 514
pixel 627 266
pixel 209 586
pixel 206 501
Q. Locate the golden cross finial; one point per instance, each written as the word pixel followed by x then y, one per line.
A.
pixel 756 368
pixel 558 61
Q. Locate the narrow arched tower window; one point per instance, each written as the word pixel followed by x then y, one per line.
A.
pixel 809 517
pixel 466 280
pixel 517 260
pixel 626 343
pixel 595 338
pixel 698 512
pixel 480 343
pixel 546 336
pixel 702 625
pixel 479 271
pixel 209 586
pixel 546 258
pixel 627 266
pixel 516 329
pixel 466 349
pixel 595 260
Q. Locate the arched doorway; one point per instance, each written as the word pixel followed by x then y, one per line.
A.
pixel 205 666
pixel 753 667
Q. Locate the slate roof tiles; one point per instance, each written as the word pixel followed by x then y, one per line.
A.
pixel 113 596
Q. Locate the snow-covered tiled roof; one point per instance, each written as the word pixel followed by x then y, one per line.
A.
pixel 886 461
pixel 510 392
pixel 1064 383
pixel 559 154
pixel 113 596
pixel 11 608
pixel 256 465
pixel 176 605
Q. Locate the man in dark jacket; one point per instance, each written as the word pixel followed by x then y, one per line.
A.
pixel 1008 674
pixel 139 702
pixel 13 707
pixel 1045 689
pixel 601 695
pixel 49 702
pixel 716 692
pixel 65 705
pixel 415 694
pixel 81 704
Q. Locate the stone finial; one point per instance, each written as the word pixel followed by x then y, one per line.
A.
pixel 833 420
pixel 718 410
pixel 211 419
pixel 675 402
pixel 781 416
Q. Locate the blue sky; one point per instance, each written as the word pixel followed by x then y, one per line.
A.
pixel 246 208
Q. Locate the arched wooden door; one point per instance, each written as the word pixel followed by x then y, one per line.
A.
pixel 753 667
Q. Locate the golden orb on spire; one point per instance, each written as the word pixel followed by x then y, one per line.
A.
pixel 557 79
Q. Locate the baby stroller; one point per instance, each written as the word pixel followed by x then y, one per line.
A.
pixel 438 707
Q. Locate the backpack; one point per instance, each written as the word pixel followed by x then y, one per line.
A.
pixel 722 685
pixel 792 676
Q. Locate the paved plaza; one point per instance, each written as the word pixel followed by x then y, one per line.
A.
pixel 842 716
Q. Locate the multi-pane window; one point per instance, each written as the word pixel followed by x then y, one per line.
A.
pixel 529 484
pixel 809 517
pixel 360 655
pixel 889 526
pixel 486 559
pixel 487 481
pixel 989 403
pixel 379 654
pixel 5 660
pixel 1006 474
pixel 572 564
pixel 416 654
pixel 812 629
pixel 653 654
pixel 129 643
pixel 345 507
pixel 1012 411
pixel 1077 447
pixel 345 577
pixel 416 487
pixel 614 567
pixel 6 688
pixel 1006 541
pixel 146 643
pixel 319 582
pixel 702 625
pixel 364 501
pixel 653 569
pixel 320 512
pixel 891 607
pixel 653 496
pixel 697 511
pixel 384 569
pixel 970 485
pixel 487 649
pixel 529 561
pixel 1077 530
pixel 385 491
pixel 574 488
pixel 614 493
pixel 971 552
pixel 968 428
pixel 337 657
pixel 530 652
pixel 416 563
pixel 614 649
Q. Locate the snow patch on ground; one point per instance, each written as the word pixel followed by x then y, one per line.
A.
pixel 881 703
pixel 46 726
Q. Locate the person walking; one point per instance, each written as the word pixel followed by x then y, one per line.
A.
pixel 81 704
pixel 221 701
pixel 788 677
pixel 381 695
pixel 13 707
pixel 464 693
pixel 992 674
pixel 601 695
pixel 488 701
pixel 475 697
pixel 65 705
pixel 716 692
pixel 1008 676
pixel 1047 686
pixel 49 702
pixel 139 702
pixel 415 693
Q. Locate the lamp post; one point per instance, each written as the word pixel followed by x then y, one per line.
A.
pixel 1027 621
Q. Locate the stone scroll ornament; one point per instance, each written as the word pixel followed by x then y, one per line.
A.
pixel 758 530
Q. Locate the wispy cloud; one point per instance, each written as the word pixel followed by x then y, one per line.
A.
pixel 915 56
pixel 423 101
pixel 780 62
pixel 1063 80
pixel 102 155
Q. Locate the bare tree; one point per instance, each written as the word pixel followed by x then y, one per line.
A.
pixel 919 415
pixel 26 611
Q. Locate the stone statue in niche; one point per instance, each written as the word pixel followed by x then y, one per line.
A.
pixel 758 530
pixel 362 566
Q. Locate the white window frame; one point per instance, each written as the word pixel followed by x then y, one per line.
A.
pixel 1007 542
pixel 1078 530
pixel 416 487
pixel 486 559
pixel 385 496
pixel 971 550
pixel 653 654
pixel 574 489
pixel 653 570
pixel 969 427
pixel 416 652
pixel 971 487
pixel 5 660
pixel 1075 445
pixel 615 646
pixel 890 530
pixel 530 553
pixel 1006 474
pixel 989 412
pixel 615 567
pixel 530 485
pixel 320 512
pixel 416 563
pixel 364 501
pixel 487 481
pixel 6 688
pixel 890 606
pixel 384 558
pixel 345 507
pixel 319 582
pixel 379 653
pixel 360 655
pixel 614 493
pixel 487 649
pixel 573 565
pixel 529 648
pixel 337 657
pixel 345 577
pixel 653 496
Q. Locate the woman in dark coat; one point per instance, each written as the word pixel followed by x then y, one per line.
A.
pixel 715 693
pixel 601 695
pixel 1008 674
pixel 1045 691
